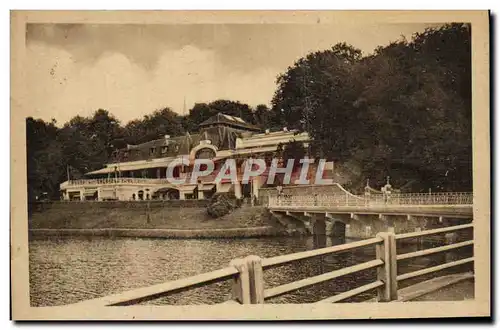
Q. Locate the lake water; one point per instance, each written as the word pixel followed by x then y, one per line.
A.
pixel 68 270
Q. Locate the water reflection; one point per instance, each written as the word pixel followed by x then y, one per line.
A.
pixel 68 270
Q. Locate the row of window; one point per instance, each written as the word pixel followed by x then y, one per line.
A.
pixel 137 153
pixel 164 150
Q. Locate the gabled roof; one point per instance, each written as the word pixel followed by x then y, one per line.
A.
pixel 224 119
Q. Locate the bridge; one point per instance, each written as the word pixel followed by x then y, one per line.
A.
pixel 363 216
pixel 248 284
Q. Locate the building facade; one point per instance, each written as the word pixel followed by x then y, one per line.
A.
pixel 139 172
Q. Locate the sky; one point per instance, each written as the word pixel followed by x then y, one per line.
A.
pixel 133 70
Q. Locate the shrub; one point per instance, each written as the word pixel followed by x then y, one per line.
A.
pixel 222 204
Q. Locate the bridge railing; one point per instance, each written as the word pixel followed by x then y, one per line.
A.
pixel 458 198
pixel 451 198
pixel 247 274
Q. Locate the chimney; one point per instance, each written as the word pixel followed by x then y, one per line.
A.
pixel 285 129
pixel 167 137
pixel 267 131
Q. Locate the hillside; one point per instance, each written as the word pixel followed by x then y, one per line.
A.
pixel 100 215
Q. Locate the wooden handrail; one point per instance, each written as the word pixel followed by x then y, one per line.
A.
pixel 156 291
pixel 304 283
pixel 438 249
pixel 285 259
pixel 434 269
pixel 352 293
pixel 433 231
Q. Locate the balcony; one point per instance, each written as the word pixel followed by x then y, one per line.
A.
pixel 140 181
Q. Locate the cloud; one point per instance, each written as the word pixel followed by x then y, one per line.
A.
pixel 132 70
pixel 60 87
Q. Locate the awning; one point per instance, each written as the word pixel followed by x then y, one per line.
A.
pixel 186 188
pixel 207 187
pixel 121 167
pixel 162 190
pixel 145 164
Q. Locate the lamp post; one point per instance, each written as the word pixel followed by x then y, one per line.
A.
pixel 148 217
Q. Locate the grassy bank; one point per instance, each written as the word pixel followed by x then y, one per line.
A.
pixel 142 221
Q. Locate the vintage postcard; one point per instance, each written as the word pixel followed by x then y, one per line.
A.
pixel 250 165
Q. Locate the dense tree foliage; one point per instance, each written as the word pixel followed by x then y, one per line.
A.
pixel 44 158
pixel 404 111
pixel 154 126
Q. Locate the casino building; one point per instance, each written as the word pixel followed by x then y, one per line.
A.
pixel 139 172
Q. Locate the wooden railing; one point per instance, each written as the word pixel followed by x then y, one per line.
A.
pixel 236 271
pixel 247 274
pixel 453 198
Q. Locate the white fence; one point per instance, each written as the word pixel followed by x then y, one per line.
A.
pixel 455 198
pixel 110 181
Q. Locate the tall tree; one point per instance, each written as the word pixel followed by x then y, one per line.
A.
pixel 264 117
pixel 316 94
pixel 404 111
pixel 159 123
pixel 198 114
pixel 44 159
pixel 233 108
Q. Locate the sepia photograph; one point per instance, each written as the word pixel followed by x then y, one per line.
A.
pixel 250 165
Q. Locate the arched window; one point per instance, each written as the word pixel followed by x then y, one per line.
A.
pixel 205 153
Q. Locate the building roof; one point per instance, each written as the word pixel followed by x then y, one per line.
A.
pixel 228 134
pixel 178 145
pixel 224 119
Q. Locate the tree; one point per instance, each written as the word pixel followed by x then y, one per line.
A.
pixel 316 94
pixel 416 103
pixel 202 111
pixel 404 111
pixel 44 158
pixel 159 123
pixel 294 150
pixel 198 114
pixel 266 118
pixel 233 108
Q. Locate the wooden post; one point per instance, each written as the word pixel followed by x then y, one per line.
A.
pixel 393 265
pixel 241 284
pixel 386 251
pixel 256 275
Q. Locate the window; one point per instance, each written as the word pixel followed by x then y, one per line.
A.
pixel 152 151
pixel 176 172
pixel 205 153
pixel 164 150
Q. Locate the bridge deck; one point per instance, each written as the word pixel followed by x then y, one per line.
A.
pixel 419 210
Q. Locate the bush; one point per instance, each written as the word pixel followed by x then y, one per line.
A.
pixel 222 204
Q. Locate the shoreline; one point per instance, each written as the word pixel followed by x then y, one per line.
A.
pixel 249 232
pixel 230 233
